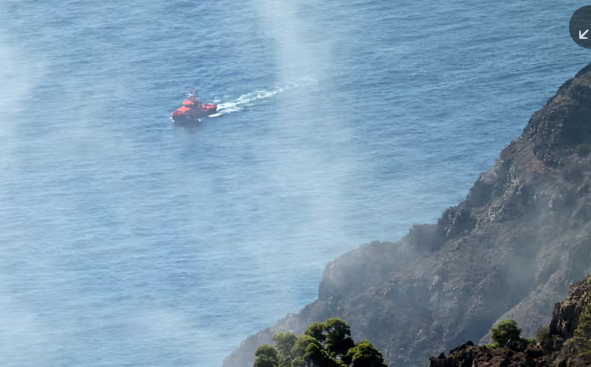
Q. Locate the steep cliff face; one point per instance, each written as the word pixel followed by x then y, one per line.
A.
pixel 509 250
pixel 557 350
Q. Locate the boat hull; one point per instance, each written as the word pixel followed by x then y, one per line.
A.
pixel 193 110
pixel 193 115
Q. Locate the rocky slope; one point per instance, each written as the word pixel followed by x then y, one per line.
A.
pixel 556 350
pixel 510 250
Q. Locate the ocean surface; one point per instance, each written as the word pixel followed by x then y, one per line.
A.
pixel 127 241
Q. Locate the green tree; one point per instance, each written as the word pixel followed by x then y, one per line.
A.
pixel 324 344
pixel 298 362
pixel 505 331
pixel 267 356
pixel 268 350
pixel 317 356
pixel 543 334
pixel 264 361
pixel 316 331
pixel 338 339
pixel 364 354
pixel 285 343
pixel 582 335
pixel 301 345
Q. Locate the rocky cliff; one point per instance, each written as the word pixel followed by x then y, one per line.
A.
pixel 511 249
pixel 556 350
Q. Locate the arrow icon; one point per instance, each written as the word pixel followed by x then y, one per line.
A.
pixel 582 36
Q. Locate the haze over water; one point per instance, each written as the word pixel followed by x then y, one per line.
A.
pixel 128 242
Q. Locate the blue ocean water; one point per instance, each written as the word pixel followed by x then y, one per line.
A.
pixel 126 241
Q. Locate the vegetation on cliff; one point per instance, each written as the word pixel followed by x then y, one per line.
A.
pixel 566 342
pixel 582 336
pixel 324 344
pixel 505 331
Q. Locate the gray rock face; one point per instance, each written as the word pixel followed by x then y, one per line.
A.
pixel 556 350
pixel 511 249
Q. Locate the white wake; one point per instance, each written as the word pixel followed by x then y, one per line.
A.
pixel 258 96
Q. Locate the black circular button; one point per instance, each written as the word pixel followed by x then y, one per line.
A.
pixel 580 27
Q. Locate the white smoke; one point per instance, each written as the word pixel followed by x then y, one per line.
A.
pixel 25 339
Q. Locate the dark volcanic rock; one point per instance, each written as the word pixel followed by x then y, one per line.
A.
pixel 566 314
pixel 558 351
pixel 509 250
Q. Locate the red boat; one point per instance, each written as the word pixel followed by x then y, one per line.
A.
pixel 193 109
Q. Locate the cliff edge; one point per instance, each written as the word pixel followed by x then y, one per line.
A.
pixel 557 349
pixel 511 249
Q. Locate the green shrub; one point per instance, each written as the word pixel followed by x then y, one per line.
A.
pixel 266 356
pixel 505 331
pixel 543 334
pixel 582 335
